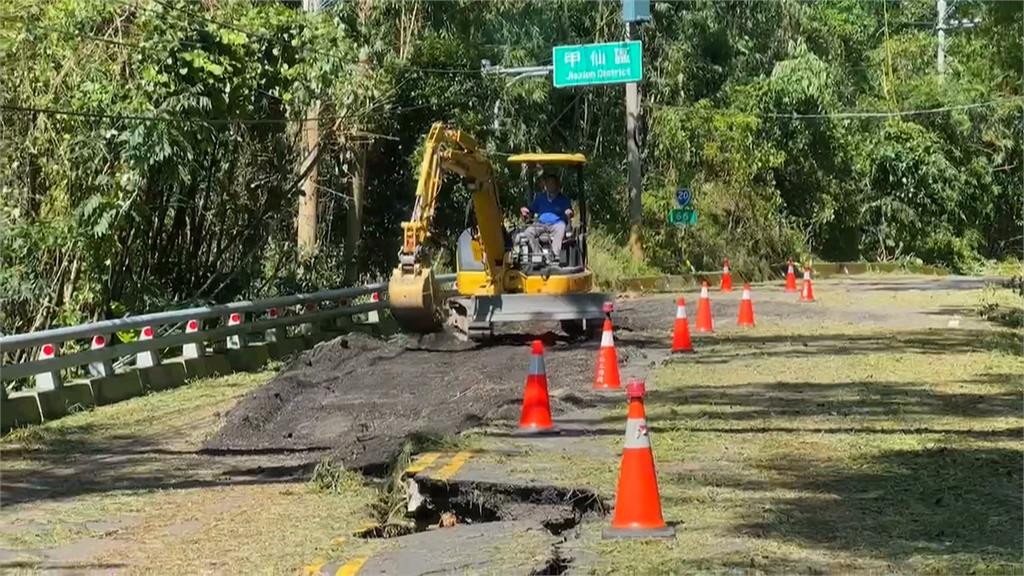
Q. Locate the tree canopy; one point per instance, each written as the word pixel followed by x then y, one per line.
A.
pixel 150 146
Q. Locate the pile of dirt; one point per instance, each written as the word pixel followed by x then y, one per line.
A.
pixel 359 397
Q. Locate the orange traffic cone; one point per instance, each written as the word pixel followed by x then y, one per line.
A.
pixel 726 277
pixel 704 321
pixel 637 502
pixel 606 376
pixel 790 277
pixel 807 291
pixel 681 341
pixel 746 317
pixel 536 414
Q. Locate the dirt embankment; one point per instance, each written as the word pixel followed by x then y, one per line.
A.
pixel 359 397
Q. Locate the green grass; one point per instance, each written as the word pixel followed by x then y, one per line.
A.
pixel 612 262
pixel 823 444
pixel 129 476
pixel 149 415
pixel 883 450
pixel 1006 268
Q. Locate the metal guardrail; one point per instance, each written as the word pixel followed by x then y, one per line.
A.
pixel 314 312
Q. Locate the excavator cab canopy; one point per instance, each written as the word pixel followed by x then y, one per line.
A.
pixel 575 191
pixel 562 159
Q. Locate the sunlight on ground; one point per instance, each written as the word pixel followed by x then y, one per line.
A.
pixel 820 442
pixel 263 527
pixel 807 448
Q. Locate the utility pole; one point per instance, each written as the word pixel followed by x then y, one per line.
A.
pixel 940 29
pixel 634 13
pixel 635 182
pixel 309 139
pixel 942 12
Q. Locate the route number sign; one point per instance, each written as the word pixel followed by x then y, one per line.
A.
pixel 683 197
pixel 683 216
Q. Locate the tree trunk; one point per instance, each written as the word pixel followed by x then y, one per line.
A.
pixel 306 224
pixel 354 216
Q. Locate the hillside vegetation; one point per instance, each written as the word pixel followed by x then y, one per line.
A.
pixel 150 147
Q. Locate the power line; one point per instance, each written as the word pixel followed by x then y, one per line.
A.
pixel 168 119
pixel 851 114
pixel 200 120
pixel 445 70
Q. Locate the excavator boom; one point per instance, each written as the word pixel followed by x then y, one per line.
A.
pixel 415 298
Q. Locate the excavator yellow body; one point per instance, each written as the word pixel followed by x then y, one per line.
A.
pixel 496 280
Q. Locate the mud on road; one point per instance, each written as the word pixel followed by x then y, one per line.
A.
pixel 357 398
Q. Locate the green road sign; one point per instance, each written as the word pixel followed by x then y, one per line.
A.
pixel 586 64
pixel 683 216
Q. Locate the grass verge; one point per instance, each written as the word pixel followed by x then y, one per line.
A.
pixel 878 450
pixel 125 488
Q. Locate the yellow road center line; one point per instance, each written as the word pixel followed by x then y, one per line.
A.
pixel 312 569
pixel 351 568
pixel 422 462
pixel 453 465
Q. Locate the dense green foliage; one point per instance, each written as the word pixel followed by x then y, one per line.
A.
pixel 178 179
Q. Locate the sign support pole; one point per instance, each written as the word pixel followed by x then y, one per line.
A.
pixel 633 158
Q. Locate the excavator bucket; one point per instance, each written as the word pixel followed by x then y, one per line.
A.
pixel 416 300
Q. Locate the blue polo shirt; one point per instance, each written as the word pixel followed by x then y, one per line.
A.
pixel 550 211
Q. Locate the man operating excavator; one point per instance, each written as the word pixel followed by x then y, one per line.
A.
pixel 553 212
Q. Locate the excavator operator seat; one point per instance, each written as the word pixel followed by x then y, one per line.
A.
pixel 570 260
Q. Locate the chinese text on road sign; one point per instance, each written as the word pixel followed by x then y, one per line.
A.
pixel 614 62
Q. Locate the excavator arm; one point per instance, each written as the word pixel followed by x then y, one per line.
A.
pixel 415 298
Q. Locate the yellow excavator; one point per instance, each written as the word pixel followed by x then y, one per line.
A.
pixel 499 277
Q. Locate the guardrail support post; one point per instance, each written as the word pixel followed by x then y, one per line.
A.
pixel 193 350
pixel 100 368
pixel 373 316
pixel 309 329
pixel 278 344
pixel 235 341
pixel 108 387
pixel 48 380
pixel 241 356
pixel 271 334
pixel 153 374
pixel 147 358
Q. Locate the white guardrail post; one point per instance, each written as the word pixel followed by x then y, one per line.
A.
pixel 102 367
pixel 270 336
pixel 48 380
pixel 193 350
pixel 87 349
